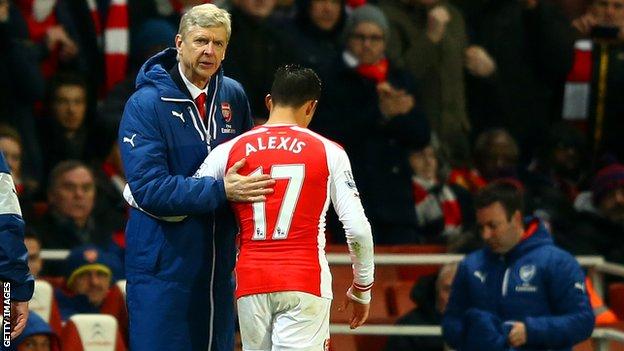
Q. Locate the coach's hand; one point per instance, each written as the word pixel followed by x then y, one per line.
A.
pixel 359 314
pixel 239 188
pixel 19 317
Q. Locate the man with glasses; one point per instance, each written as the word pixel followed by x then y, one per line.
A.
pixel 369 107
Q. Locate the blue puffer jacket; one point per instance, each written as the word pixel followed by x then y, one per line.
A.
pixel 535 283
pixel 13 254
pixel 163 142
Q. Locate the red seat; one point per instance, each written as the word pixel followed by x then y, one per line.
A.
pixel 616 299
pixel 114 304
pixel 85 332
pixel 370 342
pixel 45 305
pixel 342 342
pixel 399 299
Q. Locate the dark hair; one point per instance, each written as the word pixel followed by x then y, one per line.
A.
pixel 30 234
pixel 507 192
pixel 11 133
pixel 294 85
pixel 64 79
pixel 64 167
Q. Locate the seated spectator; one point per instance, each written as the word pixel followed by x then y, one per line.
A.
pixel 430 294
pixel 33 246
pixel 37 336
pixel 71 220
pixel 369 106
pixel 66 133
pixel 442 209
pixel 11 147
pixel 598 229
pixel 89 288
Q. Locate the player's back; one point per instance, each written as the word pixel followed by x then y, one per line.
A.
pixel 282 240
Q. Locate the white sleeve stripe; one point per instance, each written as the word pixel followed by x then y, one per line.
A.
pixel 9 203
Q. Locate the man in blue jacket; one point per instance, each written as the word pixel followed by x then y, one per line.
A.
pixel 14 274
pixel 519 291
pixel 179 274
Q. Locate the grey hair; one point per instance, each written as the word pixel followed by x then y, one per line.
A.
pixel 206 15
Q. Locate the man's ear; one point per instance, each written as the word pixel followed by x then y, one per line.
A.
pixel 311 107
pixel 178 42
pixel 268 102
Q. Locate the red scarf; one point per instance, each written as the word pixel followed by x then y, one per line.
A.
pixel 114 40
pixel 468 178
pixel 377 72
pixel 436 202
pixel 577 86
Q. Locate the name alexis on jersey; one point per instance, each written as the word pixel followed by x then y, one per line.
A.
pixel 293 145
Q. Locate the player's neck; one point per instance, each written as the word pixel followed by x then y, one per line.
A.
pixel 283 115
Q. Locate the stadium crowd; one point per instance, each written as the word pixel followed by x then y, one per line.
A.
pixel 431 99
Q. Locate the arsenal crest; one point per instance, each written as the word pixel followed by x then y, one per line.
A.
pixel 226 112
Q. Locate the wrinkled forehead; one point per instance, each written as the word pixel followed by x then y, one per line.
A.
pixel 217 32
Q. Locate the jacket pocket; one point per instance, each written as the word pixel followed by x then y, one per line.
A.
pixel 144 240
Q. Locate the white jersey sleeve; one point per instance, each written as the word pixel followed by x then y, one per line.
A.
pixel 346 201
pixel 214 164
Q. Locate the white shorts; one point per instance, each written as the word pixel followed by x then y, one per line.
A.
pixel 288 320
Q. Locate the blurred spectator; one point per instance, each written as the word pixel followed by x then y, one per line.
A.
pixel 89 287
pixel 442 209
pixel 259 49
pixel 594 91
pixel 66 133
pixel 520 291
pixel 70 220
pixel 520 54
pixel 170 11
pixel 11 147
pixel 496 154
pixel 104 41
pixel 33 246
pixel 38 336
pixel 21 83
pixel 317 32
pixel 429 38
pixel 598 229
pixel 51 27
pixel 369 106
pixel 430 294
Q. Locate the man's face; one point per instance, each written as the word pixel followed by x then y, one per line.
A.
pixel 424 163
pixel 501 158
pixel 256 8
pixel 325 13
pixel 69 106
pixel 34 256
pixel 73 194
pixel 37 342
pixel 443 290
pixel 499 232
pixel 13 154
pixel 367 43
pixel 92 283
pixel 609 12
pixel 612 205
pixel 201 51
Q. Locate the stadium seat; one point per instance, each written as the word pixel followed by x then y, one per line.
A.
pixel 342 342
pixel 44 304
pixel 115 305
pixel 121 284
pixel 370 342
pixel 413 272
pixel 399 300
pixel 92 332
pixel 616 299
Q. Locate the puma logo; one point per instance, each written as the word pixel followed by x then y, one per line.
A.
pixel 178 114
pixel 129 140
pixel 480 276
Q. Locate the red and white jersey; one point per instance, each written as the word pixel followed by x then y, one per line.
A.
pixel 282 241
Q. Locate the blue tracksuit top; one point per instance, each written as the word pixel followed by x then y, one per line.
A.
pixel 163 142
pixel 13 254
pixel 535 283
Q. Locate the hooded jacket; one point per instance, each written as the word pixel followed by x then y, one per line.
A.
pixel 163 141
pixel 535 283
pixel 35 326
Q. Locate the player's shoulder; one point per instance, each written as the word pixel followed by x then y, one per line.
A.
pixel 328 143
